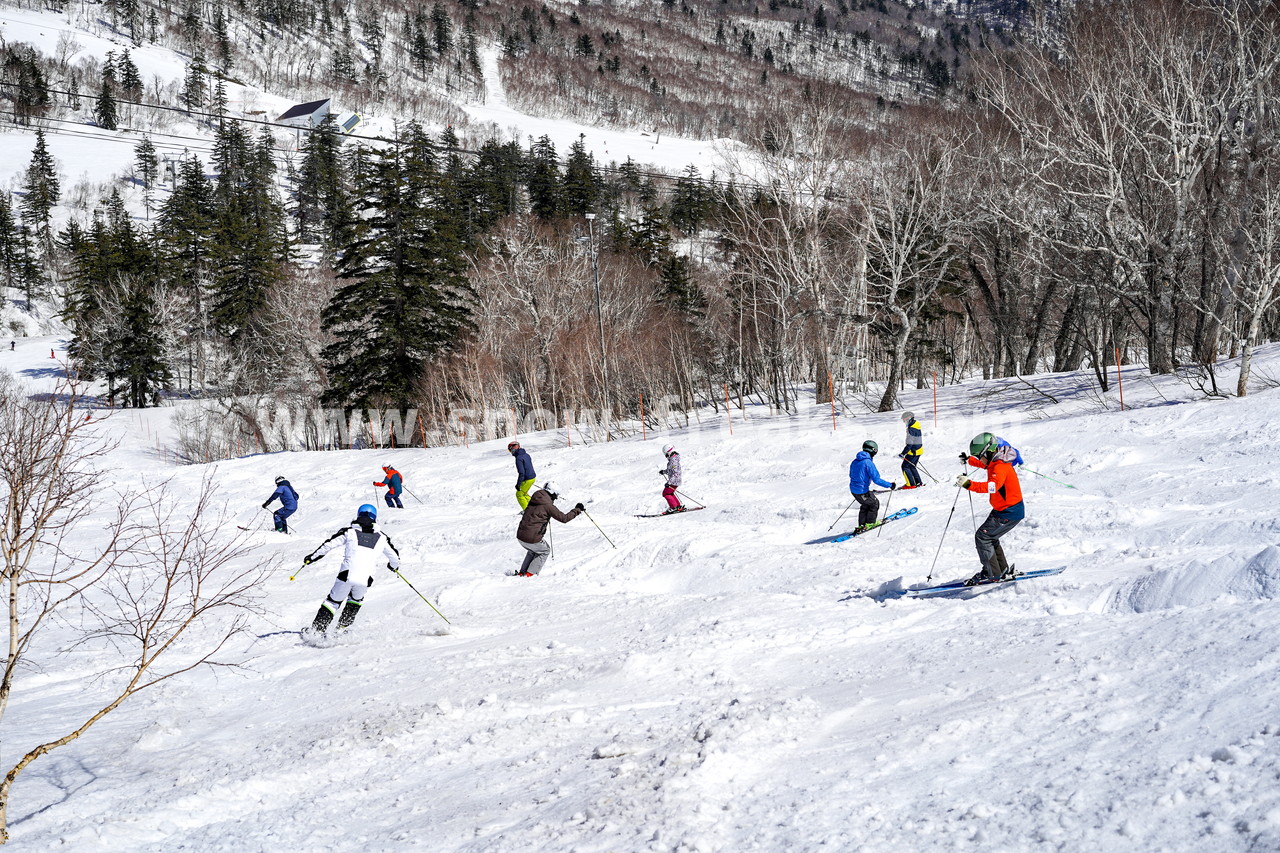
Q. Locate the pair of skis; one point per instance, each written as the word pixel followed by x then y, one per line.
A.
pixel 681 512
pixel 845 537
pixel 961 589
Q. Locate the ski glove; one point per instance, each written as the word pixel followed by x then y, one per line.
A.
pixel 964 457
pixel 963 482
pixel 893 487
pixel 264 506
pixel 392 568
pixel 580 508
pixel 308 560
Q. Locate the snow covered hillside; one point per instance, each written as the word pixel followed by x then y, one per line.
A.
pixel 713 683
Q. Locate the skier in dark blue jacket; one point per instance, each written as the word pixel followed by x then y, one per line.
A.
pixel 862 473
pixel 288 504
pixel 525 475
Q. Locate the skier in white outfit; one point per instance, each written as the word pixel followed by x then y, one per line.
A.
pixel 363 544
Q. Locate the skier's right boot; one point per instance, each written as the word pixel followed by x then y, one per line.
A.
pixel 348 614
pixel 324 616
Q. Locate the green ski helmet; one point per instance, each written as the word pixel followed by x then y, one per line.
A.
pixel 983 446
pixel 871 447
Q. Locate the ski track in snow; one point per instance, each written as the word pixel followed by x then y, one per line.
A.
pixel 713 684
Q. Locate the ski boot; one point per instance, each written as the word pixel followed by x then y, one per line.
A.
pixel 324 615
pixel 348 614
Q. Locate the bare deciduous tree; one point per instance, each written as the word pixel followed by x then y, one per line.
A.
pixel 137 589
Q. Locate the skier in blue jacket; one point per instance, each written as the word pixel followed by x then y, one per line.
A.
pixel 862 473
pixel 288 503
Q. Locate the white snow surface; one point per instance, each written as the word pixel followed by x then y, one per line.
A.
pixel 714 683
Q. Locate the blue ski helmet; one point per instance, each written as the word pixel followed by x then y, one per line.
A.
pixel 369 510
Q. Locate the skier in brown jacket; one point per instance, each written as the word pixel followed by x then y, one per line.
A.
pixel 533 526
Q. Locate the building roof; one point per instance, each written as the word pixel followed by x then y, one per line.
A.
pixel 302 110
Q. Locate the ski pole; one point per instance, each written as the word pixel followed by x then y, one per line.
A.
pixel 926 471
pixel 964 469
pixel 887 501
pixel 396 572
pixel 306 561
pixel 841 515
pixel 1050 479
pixel 415 497
pixel 695 500
pixel 602 533
pixel 944 536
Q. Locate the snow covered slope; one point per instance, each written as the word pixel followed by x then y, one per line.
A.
pixel 713 684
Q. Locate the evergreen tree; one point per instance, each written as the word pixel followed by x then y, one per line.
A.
pixel 221 38
pixel 194 88
pixel 491 189
pixel 471 44
pixel 441 28
pixel 542 177
pixel 677 287
pixel 103 261
pixel 136 356
pixel 30 276
pixel 648 236
pixel 344 64
pixel 419 41
pixel 10 244
pixel 183 231
pixel 218 104
pixel 691 202
pixel 42 192
pixel 26 84
pixel 323 201
pixel 405 298
pixel 104 110
pixel 244 257
pixel 147 165
pixel 580 187
pixel 130 79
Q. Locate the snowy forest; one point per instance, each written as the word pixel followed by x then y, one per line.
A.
pixel 1014 191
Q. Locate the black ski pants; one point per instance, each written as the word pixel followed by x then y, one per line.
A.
pixel 870 510
pixel 987 539
pixel 911 471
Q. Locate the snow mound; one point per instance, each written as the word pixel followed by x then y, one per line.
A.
pixel 1199 583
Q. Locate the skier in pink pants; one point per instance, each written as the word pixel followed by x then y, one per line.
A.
pixel 672 473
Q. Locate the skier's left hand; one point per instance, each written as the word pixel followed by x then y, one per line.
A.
pixel 580 508
pixel 963 482
pixel 392 568
pixel 264 506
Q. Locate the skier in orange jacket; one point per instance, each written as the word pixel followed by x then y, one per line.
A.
pixel 1007 508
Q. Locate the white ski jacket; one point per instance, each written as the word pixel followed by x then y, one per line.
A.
pixel 361 550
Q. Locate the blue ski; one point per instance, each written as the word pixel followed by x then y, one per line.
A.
pixel 958 587
pixel 844 537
